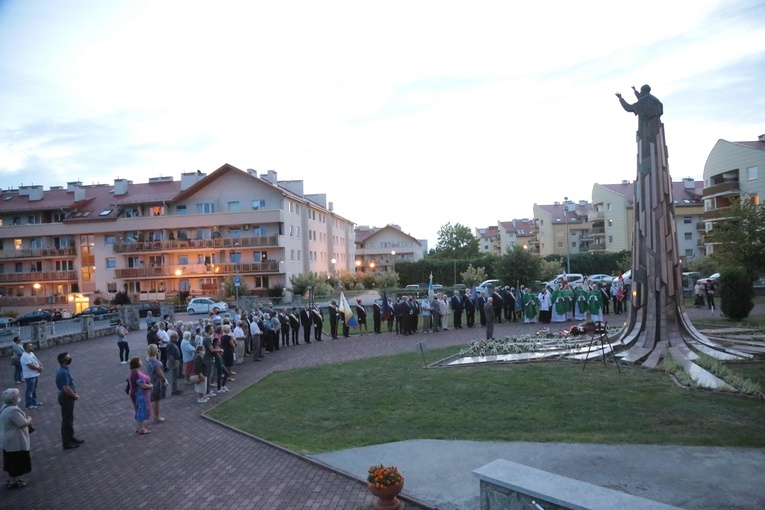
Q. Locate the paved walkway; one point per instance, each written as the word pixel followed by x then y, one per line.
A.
pixel 187 462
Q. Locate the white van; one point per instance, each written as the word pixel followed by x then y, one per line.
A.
pixel 571 278
pixel 487 287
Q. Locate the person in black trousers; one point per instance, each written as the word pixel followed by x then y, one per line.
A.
pixel 305 321
pixel 318 323
pixel 377 316
pixel 333 316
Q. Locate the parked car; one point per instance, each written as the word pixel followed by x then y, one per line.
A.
pixel 600 278
pixel 34 316
pixel 571 278
pixel 206 305
pixel 627 277
pixel 95 310
pixel 144 308
pixel 487 287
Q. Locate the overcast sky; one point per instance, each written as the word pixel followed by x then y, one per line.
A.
pixel 415 113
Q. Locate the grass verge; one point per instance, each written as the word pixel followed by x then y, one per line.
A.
pixel 393 398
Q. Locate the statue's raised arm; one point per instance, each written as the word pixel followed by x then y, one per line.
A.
pixel 648 109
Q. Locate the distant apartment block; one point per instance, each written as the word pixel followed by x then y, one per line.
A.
pixel 378 249
pixel 166 236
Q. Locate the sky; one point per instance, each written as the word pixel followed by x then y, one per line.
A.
pixel 417 113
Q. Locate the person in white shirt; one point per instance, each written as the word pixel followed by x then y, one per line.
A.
pixel 239 337
pixel 425 307
pixel 257 344
pixel 545 305
pixel 31 369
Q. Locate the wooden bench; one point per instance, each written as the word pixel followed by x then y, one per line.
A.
pixel 507 485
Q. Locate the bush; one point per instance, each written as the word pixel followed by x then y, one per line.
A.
pixel 121 298
pixel 736 293
pixel 275 291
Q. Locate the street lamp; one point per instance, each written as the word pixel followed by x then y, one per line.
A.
pixel 358 265
pixel 372 266
pixel 565 215
pixel 393 259
pixel 178 273
pixel 236 274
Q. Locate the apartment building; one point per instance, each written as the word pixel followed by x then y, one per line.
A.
pixel 489 240
pixel 732 171
pixel 562 228
pixel 613 219
pixel 157 238
pixel 378 249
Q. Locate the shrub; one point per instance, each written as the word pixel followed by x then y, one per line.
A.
pixel 121 298
pixel 736 293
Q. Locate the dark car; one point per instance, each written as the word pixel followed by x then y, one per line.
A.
pixel 143 308
pixel 55 315
pixel 33 316
pixel 94 310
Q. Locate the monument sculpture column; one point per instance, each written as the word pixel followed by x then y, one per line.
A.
pixel 658 325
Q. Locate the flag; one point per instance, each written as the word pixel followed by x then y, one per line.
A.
pixel 473 293
pixel 430 287
pixel 386 311
pixel 350 318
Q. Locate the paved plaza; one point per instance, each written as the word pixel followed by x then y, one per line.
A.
pixel 192 462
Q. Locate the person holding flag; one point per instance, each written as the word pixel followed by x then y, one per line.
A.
pixel 346 312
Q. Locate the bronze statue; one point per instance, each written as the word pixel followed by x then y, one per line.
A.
pixel 649 111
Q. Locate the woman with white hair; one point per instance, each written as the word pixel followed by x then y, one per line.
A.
pixel 15 427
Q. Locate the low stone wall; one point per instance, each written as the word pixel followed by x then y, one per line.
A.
pixel 508 485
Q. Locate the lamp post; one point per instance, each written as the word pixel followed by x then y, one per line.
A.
pixel 334 272
pixel 358 265
pixel 565 215
pixel 393 260
pixel 237 282
pixel 178 273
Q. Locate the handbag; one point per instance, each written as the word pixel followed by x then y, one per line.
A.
pixel 194 379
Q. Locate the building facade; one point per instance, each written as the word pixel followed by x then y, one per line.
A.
pixel 378 249
pixel 158 238
pixel 732 171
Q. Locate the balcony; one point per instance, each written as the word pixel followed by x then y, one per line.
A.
pixel 716 214
pixel 198 270
pixel 39 277
pixel 38 253
pixel 597 232
pixel 725 188
pixel 701 226
pixel 196 244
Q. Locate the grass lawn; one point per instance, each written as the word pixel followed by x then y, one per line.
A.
pixel 393 398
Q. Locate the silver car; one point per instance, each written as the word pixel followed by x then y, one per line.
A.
pixel 206 305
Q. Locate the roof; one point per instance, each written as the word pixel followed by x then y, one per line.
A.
pixel 681 194
pixel 363 234
pixel 560 215
pixel 757 144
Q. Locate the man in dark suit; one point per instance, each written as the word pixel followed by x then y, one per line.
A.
pixel 333 317
pixel 318 323
pixel 456 306
pixel 509 298
pixel 361 317
pixel 295 325
pixel 377 316
pixel 497 302
pixel 305 321
pixel 469 306
pixel 480 302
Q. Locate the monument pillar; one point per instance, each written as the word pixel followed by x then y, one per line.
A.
pixel 658 325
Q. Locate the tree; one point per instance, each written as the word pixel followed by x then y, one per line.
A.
pixel 736 293
pixel 318 281
pixel 549 269
pixel 518 266
pixel 456 242
pixel 740 241
pixel 704 265
pixel 229 287
pixel 473 276
pixel 386 280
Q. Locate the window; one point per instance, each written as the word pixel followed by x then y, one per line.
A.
pixel 32 220
pixel 111 263
pixel 183 260
pixel 298 254
pixel 256 256
pixel 35 243
pixel 687 220
pixel 64 265
pixel 688 236
pixel 689 253
pixel 292 231
pixel 108 240
pixel 610 239
pixel 608 206
pixel 234 232
pixel 206 208
pixel 289 206
pixel 560 233
pixel 292 255
pixel 236 257
pixel 610 223
pixel 180 209
pixel 560 245
pixel 58 217
pixel 17 244
pixel 233 206
pixel 258 204
pixel 297 232
pixel 111 286
pixel 131 212
pixel 751 173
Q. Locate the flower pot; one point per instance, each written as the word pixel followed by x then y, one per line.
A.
pixel 386 496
